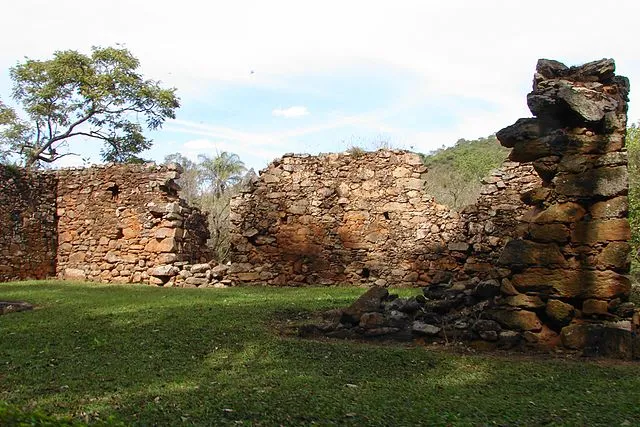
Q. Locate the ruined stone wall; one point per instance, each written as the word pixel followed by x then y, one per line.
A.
pixel 27 224
pixel 112 223
pixel 575 253
pixel 366 219
pixel 561 275
pixel 125 223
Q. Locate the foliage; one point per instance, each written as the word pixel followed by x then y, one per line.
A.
pixel 454 173
pixel 101 96
pixel 169 356
pixel 210 184
pixel 220 172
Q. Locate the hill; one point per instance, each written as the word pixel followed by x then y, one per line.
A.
pixel 455 172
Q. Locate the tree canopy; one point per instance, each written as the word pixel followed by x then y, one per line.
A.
pixel 100 96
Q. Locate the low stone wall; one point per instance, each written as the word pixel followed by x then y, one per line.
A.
pixel 28 225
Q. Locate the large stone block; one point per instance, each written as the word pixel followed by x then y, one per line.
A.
pixel 525 252
pixel 572 283
pixel 599 182
pixel 520 320
pixel 597 231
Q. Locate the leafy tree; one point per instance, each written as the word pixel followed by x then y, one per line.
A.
pixel 101 96
pixel 221 172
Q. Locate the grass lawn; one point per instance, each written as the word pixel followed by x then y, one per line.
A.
pixel 152 356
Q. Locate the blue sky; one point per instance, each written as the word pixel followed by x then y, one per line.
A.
pixel 261 79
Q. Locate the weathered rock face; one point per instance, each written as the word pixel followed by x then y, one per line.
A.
pixel 366 219
pixel 110 223
pixel 28 222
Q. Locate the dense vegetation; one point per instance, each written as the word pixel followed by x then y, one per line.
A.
pixel 455 172
pixel 167 356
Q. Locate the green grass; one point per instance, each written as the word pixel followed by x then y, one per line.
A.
pixel 152 356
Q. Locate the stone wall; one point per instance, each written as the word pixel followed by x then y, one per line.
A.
pixel 112 223
pixel 365 219
pixel 575 253
pixel 125 224
pixel 561 279
pixel 27 224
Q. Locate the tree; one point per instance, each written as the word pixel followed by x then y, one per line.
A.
pixel 221 172
pixel 100 96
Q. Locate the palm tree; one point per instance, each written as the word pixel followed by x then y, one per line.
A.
pixel 221 172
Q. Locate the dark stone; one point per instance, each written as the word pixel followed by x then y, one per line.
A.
pixel 551 69
pixel 487 289
pixel 559 313
pixel 523 252
pixel 521 130
pixel 528 151
pixel 368 302
pixel 603 182
pixel 601 70
pixel 546 167
pixel 484 325
pixel 616 255
pixel 536 196
pixel 625 309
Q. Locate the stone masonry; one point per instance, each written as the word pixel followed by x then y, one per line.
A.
pixel 112 223
pixel 561 278
pixel 364 218
pixel 28 222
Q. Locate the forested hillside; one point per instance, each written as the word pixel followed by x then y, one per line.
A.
pixel 455 172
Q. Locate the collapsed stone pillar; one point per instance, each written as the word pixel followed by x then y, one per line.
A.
pixel 574 259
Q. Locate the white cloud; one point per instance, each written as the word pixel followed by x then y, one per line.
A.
pixel 458 48
pixel 296 111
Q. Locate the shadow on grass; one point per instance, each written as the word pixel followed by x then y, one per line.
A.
pixel 170 356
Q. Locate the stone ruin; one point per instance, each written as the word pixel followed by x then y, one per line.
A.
pixel 113 223
pixel 541 258
pixel 365 219
pixel 562 280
